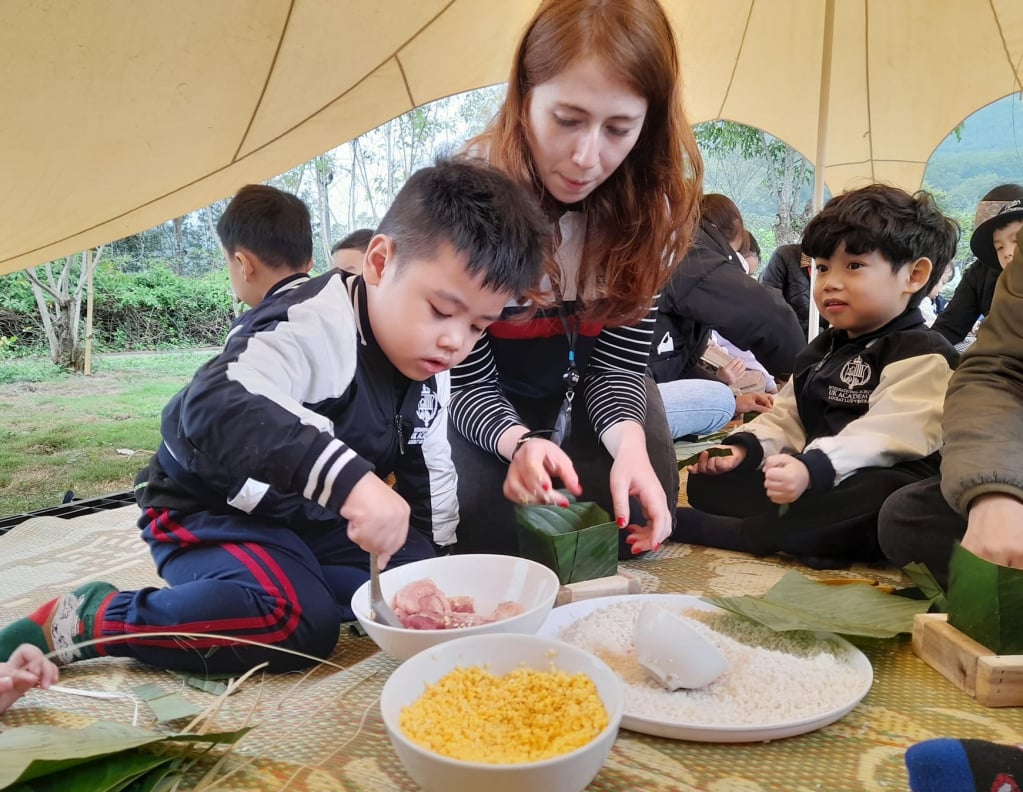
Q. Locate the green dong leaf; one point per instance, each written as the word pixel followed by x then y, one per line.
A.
pixel 577 542
pixel 712 451
pixel 985 601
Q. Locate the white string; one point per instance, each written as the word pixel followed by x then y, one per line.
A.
pixel 100 694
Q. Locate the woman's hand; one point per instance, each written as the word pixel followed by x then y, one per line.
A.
pixel 534 463
pixel 753 402
pixel 995 530
pixel 633 475
pixel 731 372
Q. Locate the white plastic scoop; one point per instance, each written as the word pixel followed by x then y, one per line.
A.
pixel 673 653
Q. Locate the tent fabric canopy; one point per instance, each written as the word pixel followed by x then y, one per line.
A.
pixel 119 115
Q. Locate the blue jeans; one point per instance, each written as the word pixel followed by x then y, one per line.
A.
pixel 696 406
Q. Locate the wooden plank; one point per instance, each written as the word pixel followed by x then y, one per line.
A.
pixel 598 587
pixel 993 680
pixel 947 650
pixel 1000 681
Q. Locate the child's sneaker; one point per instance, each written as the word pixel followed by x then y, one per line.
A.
pixel 62 624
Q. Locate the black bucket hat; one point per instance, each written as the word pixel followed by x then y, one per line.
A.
pixel 982 242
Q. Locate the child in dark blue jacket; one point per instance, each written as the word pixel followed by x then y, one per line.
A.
pixel 267 493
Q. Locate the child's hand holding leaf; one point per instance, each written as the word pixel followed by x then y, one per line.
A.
pixel 719 459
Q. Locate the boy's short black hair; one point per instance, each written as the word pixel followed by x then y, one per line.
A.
pixel 899 226
pixel 357 240
pixel 481 212
pixel 271 224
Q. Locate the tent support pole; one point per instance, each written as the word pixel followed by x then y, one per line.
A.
pixel 822 145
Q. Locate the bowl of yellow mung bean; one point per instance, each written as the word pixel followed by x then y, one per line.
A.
pixel 502 713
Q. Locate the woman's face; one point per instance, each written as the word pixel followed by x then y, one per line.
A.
pixel 582 124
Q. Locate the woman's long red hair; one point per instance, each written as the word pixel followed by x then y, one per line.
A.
pixel 639 221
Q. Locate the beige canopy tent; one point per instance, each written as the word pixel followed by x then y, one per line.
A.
pixel 120 114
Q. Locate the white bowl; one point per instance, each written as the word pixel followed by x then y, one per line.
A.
pixel 570 772
pixel 488 579
pixel 673 653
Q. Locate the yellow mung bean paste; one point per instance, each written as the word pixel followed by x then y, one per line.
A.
pixel 523 716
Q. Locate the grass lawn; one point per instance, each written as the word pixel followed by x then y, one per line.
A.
pixel 61 431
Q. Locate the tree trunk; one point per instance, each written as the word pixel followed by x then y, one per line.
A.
pixel 60 309
pixel 179 245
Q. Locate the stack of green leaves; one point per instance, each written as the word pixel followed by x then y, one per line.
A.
pixel 578 542
pixel 102 757
pixel 854 611
pixel 985 602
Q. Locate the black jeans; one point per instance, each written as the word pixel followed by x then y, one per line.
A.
pixel 838 524
pixel 487 519
pixel 917 524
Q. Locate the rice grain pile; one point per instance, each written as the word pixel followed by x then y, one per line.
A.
pixel 772 678
pixel 523 716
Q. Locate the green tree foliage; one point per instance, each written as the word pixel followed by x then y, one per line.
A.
pixel 780 171
pixel 133 310
pixel 160 309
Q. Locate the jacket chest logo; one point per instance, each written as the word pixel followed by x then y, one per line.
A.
pixel 426 411
pixel 855 373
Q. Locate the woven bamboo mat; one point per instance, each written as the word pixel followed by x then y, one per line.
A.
pixel 323 732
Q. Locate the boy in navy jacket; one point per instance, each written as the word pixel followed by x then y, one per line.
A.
pixel 861 416
pixel 267 493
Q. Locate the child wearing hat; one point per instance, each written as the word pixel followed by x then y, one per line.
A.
pixel 999 216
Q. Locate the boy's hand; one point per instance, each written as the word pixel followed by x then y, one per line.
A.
pixel 719 464
pixel 995 530
pixel 26 668
pixel 785 478
pixel 531 469
pixel 378 518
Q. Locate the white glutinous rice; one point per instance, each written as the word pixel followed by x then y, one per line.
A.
pixel 772 677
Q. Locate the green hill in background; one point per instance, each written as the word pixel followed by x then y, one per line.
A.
pixel 988 152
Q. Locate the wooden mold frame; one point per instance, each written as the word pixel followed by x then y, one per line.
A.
pixel 992 680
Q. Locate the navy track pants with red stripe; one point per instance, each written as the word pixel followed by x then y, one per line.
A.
pixel 245 577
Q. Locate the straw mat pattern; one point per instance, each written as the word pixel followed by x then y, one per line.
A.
pixel 323 732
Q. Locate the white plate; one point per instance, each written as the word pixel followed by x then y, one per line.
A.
pixel 565 615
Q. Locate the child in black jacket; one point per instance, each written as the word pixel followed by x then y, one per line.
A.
pixel 861 416
pixel 267 493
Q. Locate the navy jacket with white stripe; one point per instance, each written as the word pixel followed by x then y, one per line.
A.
pixel 300 404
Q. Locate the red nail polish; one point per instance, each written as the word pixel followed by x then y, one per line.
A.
pixel 636 550
pixel 620 521
pixel 546 486
pixel 564 505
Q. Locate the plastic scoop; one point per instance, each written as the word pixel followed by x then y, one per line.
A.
pixel 673 653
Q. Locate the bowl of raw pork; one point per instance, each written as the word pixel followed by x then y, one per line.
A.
pixel 438 599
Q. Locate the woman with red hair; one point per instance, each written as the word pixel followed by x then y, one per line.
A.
pixel 557 389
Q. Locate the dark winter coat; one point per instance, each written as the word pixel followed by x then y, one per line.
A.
pixel 710 290
pixel 971 300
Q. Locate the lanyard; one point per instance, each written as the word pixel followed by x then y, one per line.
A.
pixel 563 423
pixel 571 325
